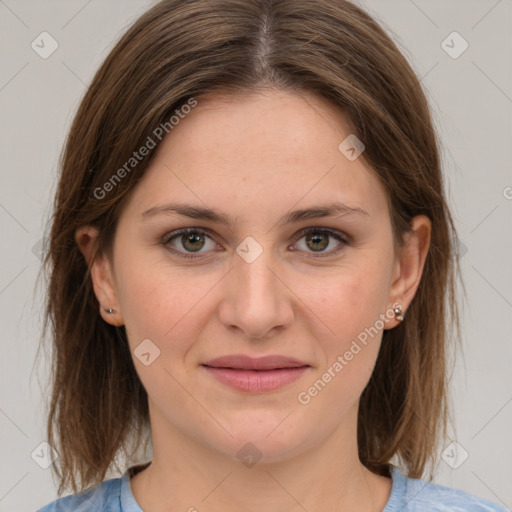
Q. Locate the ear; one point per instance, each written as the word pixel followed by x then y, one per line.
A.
pixel 408 267
pixel 101 274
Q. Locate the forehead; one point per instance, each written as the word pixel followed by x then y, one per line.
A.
pixel 265 151
pixel 267 129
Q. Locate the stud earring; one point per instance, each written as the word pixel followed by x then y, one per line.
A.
pixel 399 315
pixel 109 311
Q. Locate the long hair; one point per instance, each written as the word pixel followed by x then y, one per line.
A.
pixel 179 50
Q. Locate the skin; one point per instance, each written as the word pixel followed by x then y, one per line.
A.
pixel 255 158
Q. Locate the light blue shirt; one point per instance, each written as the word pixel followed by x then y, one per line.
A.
pixel 407 495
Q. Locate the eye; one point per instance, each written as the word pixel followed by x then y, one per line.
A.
pixel 317 239
pixel 193 240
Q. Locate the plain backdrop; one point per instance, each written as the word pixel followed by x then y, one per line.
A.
pixel 471 97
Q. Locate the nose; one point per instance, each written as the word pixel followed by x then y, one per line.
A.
pixel 255 298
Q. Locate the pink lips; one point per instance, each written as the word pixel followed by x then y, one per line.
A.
pixel 255 375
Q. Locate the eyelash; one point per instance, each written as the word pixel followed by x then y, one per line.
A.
pixel 186 231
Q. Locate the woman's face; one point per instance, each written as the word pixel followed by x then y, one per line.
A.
pixel 256 285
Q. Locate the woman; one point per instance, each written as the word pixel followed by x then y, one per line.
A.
pixel 251 266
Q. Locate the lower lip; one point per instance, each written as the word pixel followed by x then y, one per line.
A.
pixel 256 381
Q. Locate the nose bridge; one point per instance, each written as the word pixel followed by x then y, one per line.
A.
pixel 257 276
pixel 257 300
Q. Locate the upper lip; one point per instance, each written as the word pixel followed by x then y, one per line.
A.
pixel 244 362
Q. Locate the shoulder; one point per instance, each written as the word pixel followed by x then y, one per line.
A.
pixel 104 497
pixel 417 495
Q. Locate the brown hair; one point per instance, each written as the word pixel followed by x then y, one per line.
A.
pixel 179 50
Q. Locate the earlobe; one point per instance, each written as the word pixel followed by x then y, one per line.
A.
pixel 101 273
pixel 410 263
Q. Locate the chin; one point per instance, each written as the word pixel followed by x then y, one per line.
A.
pixel 266 441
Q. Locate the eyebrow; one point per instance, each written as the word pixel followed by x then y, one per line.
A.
pixel 210 214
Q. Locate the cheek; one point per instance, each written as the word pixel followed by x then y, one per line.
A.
pixel 144 305
pixel 350 308
pixel 350 305
pixel 162 302
pixel 349 301
pixel 147 297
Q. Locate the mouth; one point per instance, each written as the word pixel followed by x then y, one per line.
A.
pixel 256 375
pixel 244 362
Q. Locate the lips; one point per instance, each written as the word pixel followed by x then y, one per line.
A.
pixel 243 362
pixel 255 375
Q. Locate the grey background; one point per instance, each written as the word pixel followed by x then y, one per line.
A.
pixel 472 102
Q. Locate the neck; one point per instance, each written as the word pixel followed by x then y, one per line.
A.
pixel 187 475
